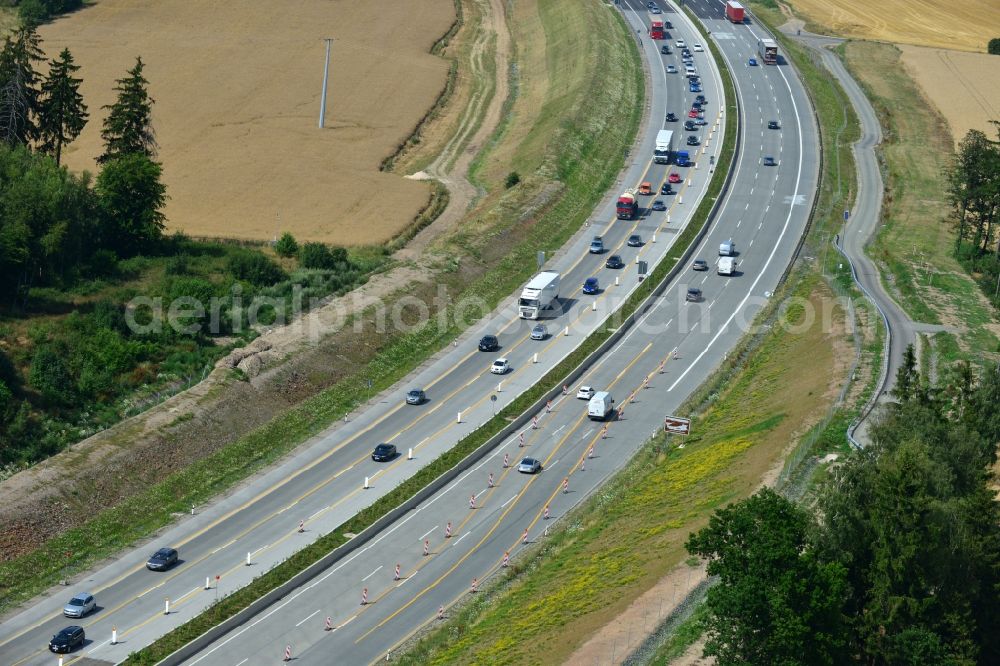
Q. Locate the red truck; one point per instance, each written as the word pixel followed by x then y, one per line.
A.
pixel 627 207
pixel 656 27
pixel 734 11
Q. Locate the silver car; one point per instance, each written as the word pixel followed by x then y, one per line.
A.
pixel 529 466
pixel 539 332
pixel 80 605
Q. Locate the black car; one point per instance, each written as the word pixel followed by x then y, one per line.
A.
pixel 700 99
pixel 671 117
pixel 489 343
pixel 693 295
pixel 690 125
pixel 659 205
pixel 773 124
pixel 666 189
pixel 665 50
pixel 162 559
pixel 614 261
pixel 384 452
pixel 67 639
pixel 692 140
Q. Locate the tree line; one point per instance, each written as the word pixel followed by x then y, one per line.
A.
pixel 974 191
pixel 55 225
pixel 900 562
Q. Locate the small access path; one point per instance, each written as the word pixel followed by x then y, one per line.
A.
pixel 864 223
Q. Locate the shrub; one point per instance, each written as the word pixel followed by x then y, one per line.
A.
pixel 318 255
pixel 255 268
pixel 286 246
pixel 50 376
pixel 5 396
pixel 994 46
pixel 513 178
pixel 177 265
pixel 103 263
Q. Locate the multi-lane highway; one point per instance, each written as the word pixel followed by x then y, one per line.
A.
pixel 323 485
pixel 765 213
pixel 491 512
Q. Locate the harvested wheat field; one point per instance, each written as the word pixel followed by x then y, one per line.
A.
pixel 237 88
pixel 965 87
pixel 966 25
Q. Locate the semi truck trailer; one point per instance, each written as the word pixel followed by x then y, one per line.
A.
pixel 734 11
pixel 539 294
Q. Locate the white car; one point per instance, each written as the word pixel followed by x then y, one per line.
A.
pixel 679 43
pixel 585 393
pixel 697 47
pixel 671 69
pixel 500 366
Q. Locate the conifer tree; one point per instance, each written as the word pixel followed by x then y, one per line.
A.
pixel 63 114
pixel 128 129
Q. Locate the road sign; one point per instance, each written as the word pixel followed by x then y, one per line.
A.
pixel 676 425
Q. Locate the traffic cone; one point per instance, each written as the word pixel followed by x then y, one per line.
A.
pixel 489 482
pixel 396 575
pixel 475 586
pixel 328 625
pixel 302 526
pixel 472 502
pixel 524 537
pixel 565 485
pixel 506 461
pixel 427 547
pixel 545 512
pixel 447 531
pixel 364 597
pixel 288 653
pixel 506 559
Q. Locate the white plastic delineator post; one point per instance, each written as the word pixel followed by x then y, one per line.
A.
pixel 458 419
pixel 208 583
pixel 653 240
pixel 114 635
pixel 534 359
pixel 409 454
pixel 366 483
pixel 668 218
pixel 166 606
pixel 566 331
pixel 616 281
pixel 679 202
pixel 499 387
pixel 696 164
pixel 248 558
pixel 60 661
pixel 593 306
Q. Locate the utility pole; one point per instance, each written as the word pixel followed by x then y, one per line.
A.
pixel 326 79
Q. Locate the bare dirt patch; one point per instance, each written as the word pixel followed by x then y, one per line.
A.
pixel 237 87
pixel 966 25
pixel 965 87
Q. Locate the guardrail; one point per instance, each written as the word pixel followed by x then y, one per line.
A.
pixel 300 579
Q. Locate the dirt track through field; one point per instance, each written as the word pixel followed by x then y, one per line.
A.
pixel 237 87
pixel 966 25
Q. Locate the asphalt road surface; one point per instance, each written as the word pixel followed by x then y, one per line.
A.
pixel 492 512
pixel 322 485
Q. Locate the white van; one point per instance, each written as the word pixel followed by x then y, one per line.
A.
pixel 727 248
pixel 601 406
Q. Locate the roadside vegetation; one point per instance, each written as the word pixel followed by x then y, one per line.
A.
pixel 74 250
pixel 901 562
pixel 566 179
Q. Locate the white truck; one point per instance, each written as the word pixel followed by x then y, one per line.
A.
pixel 601 406
pixel 538 295
pixel 664 143
pixel 727 265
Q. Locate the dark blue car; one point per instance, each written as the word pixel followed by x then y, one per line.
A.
pixel 591 286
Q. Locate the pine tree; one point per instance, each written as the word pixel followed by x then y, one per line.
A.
pixel 128 129
pixel 63 113
pixel 19 100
